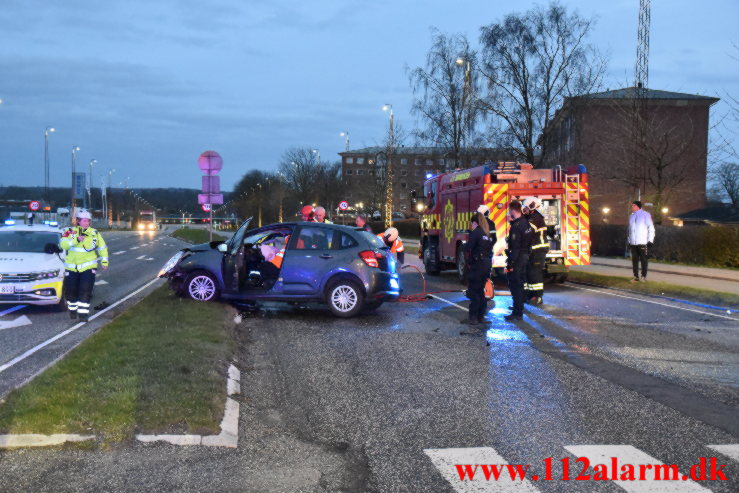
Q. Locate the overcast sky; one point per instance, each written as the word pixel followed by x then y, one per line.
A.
pixel 145 86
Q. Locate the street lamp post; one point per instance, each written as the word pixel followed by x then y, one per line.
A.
pixel 93 162
pixel 346 140
pixel 72 205
pixel 389 168
pixel 47 131
pixel 109 204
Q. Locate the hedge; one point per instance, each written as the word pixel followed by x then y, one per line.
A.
pixel 702 245
pixel 407 228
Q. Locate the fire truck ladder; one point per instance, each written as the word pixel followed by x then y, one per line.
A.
pixel 572 217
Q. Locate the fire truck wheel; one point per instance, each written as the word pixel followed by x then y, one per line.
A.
pixel 431 261
pixel 461 265
pixel 561 278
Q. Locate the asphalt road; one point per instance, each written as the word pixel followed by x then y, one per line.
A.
pixel 392 401
pixel 135 259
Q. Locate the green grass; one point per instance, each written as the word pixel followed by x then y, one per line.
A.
pixel 193 235
pixel 158 368
pixel 658 288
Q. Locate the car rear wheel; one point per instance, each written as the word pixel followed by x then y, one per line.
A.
pixel 201 286
pixel 345 298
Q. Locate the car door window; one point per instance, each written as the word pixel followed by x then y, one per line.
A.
pixel 314 239
pixel 344 241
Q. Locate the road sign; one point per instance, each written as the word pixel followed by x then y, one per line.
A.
pixel 210 162
pixel 343 205
pixel 206 207
pixel 34 205
pixel 210 198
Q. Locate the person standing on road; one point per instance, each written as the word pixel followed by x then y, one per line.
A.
pixel 485 211
pixel 320 215
pixel 85 247
pixel 534 286
pixel 479 253
pixel 391 238
pixel 361 222
pixel 641 238
pixel 519 247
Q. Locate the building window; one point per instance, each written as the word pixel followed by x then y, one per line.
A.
pixel 360 171
pixel 349 172
pixel 349 160
pixel 419 161
pixel 403 185
pixel 403 160
pixel 403 195
pixel 404 172
pixel 442 162
pixel 360 160
pixel 429 162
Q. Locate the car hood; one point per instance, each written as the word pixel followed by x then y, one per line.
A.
pixel 202 247
pixel 16 262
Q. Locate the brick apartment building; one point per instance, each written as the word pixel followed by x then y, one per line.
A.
pixel 597 130
pixel 362 170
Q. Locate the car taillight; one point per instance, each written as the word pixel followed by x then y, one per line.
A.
pixel 370 258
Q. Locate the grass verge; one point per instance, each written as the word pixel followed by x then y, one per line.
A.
pixel 193 235
pixel 158 368
pixel 657 288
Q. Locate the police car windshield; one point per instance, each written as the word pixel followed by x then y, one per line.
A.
pixel 26 241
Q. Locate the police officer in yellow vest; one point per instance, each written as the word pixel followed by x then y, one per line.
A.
pixel 534 286
pixel 85 247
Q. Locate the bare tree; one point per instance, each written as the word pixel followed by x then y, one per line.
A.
pixel 328 181
pixel 298 166
pixel 530 63
pixel 726 177
pixel 446 86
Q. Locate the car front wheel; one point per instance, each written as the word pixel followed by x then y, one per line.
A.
pixel 345 298
pixel 201 286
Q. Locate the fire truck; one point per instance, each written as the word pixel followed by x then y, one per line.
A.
pixel 451 200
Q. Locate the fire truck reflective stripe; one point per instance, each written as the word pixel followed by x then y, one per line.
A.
pixel 584 225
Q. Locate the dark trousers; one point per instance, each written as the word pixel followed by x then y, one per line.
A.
pixel 535 272
pixel 639 253
pixel 516 281
pixel 476 279
pixel 78 290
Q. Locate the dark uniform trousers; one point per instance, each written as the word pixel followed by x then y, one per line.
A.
pixel 477 276
pixel 516 280
pixel 535 272
pixel 78 290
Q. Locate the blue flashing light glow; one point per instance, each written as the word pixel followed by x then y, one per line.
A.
pixel 394 284
pixel 429 176
pixel 9 222
pixel 53 223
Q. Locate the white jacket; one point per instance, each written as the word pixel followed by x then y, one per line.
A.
pixel 641 228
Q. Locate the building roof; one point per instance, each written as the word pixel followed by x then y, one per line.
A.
pixel 424 151
pixel 712 214
pixel 629 93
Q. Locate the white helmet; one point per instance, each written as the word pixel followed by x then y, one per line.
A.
pixel 83 214
pixel 532 203
pixel 483 209
pixel 391 234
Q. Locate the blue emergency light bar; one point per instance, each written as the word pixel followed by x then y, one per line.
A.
pixel 9 222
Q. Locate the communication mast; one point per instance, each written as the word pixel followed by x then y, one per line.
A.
pixel 641 80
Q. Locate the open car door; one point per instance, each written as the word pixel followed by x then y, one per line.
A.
pixel 233 259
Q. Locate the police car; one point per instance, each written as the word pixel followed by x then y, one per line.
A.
pixel 31 265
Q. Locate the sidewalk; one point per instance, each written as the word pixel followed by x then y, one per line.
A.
pixel 724 280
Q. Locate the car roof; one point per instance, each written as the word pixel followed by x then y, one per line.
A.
pixel 311 223
pixel 32 227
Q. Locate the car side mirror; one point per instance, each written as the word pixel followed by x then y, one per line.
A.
pixel 52 248
pixel 223 248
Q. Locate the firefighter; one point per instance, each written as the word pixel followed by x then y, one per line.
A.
pixel 391 238
pixel 485 211
pixel 307 213
pixel 361 222
pixel 534 286
pixel 85 247
pixel 320 215
pixel 519 246
pixel 479 253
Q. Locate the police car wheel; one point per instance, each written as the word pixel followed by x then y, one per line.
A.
pixel 345 298
pixel 201 286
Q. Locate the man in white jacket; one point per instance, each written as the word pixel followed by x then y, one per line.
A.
pixel 641 237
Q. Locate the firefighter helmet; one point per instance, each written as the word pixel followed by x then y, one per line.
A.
pixel 483 209
pixel 83 214
pixel 391 234
pixel 307 210
pixel 532 203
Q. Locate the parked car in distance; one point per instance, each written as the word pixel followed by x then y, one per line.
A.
pixel 345 267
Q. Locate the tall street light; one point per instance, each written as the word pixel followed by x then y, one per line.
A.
pixel 93 162
pixel 318 155
pixel 75 150
pixel 389 167
pixel 47 131
pixel 346 140
pixel 109 204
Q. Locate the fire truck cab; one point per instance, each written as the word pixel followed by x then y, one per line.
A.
pixel 451 200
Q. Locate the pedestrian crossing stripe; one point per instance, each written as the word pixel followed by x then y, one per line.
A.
pixel 469 469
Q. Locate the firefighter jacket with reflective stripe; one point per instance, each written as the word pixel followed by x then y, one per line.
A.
pixel 539 228
pixel 83 255
pixel 519 241
pixel 277 259
pixel 396 246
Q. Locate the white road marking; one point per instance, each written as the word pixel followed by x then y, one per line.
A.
pixel 134 248
pixel 729 450
pixel 451 303
pixel 34 349
pixel 119 253
pixel 627 454
pixel 150 258
pixel 101 282
pixel 141 257
pixel 447 460
pixel 653 302
pixel 18 322
pixel 12 309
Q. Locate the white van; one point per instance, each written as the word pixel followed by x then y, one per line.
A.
pixel 31 265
